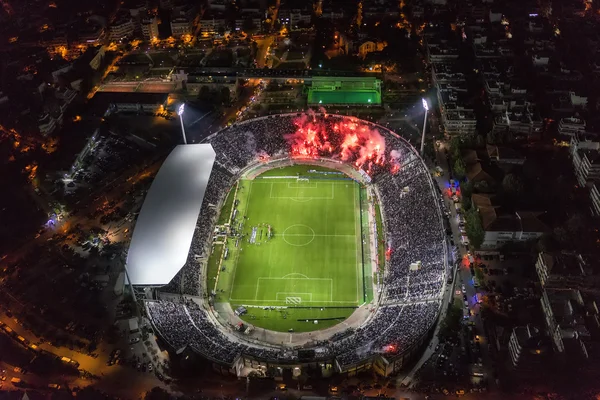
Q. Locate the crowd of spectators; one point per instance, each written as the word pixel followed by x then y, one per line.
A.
pixel 414 235
pixel 414 274
pixel 392 330
pixel 185 323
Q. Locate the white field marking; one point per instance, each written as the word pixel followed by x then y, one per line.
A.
pixel 312 279
pixel 358 237
pixel 293 300
pixel 310 235
pixel 328 181
pixel 302 234
pixel 237 258
pixel 349 303
pixel 293 294
pixel 302 279
pixel 331 281
pixel 301 186
pixel 301 198
pixel 297 274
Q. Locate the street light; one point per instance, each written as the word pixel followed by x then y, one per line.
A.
pixel 426 107
pixel 180 111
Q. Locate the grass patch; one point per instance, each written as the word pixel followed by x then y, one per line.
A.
pixel 380 237
pixel 212 268
pixel 294 170
pixel 298 319
pixel 300 249
pixel 226 210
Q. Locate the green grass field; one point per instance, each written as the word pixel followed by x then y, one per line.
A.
pixel 311 264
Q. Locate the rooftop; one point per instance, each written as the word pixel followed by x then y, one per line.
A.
pixel 166 223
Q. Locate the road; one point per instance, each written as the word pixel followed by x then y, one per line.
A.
pixel 114 378
pixel 463 273
pixel 263 46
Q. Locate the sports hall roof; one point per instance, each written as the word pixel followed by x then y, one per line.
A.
pixel 165 226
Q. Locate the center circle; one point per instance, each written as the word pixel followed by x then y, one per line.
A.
pixel 298 235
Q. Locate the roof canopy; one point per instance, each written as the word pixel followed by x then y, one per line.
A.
pixel 165 226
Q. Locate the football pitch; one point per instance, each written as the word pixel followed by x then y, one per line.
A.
pixel 301 250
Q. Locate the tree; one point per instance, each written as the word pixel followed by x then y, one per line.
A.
pixel 474 228
pixel 459 168
pixel 451 324
pixel 546 243
pixel 204 93
pixel 479 275
pixel 482 187
pixel 512 184
pixel 466 189
pixel 576 225
pixel 479 141
pixel 469 139
pixel 492 137
pixel 253 48
pixel 158 393
pixel 225 95
pixel 248 26
pixel 455 146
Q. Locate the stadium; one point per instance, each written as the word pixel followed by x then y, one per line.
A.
pixel 292 241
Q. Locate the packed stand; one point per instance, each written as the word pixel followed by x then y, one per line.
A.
pixel 414 235
pixel 186 324
pixel 388 332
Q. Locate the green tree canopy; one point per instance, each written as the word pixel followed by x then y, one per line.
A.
pixel 460 168
pixel 512 184
pixel 225 95
pixel 474 228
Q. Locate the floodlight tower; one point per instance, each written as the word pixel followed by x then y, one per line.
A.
pixel 426 107
pixel 180 111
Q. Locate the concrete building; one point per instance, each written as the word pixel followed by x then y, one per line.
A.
pixel 578 100
pixel 214 79
pixel 150 27
pixel 594 188
pixel 564 312
pixel 504 155
pixel 459 122
pixel 209 25
pixel 567 270
pixel 571 126
pixel 47 124
pixel 122 28
pixel 529 349
pixel 586 162
pixel 521 122
pixel 148 103
pixel 181 26
pixel 502 227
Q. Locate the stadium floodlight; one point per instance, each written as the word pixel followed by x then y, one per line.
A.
pixel 426 107
pixel 180 111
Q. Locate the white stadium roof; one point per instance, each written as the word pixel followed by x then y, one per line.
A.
pixel 165 226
